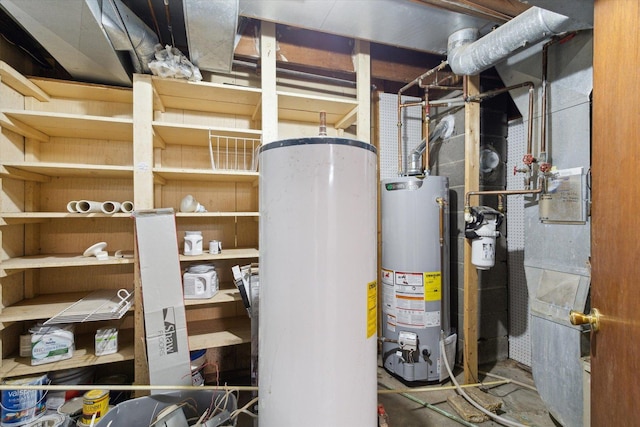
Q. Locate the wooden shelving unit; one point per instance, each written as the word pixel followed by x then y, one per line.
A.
pixel 65 141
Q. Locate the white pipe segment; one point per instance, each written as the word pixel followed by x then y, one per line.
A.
pixel 468 55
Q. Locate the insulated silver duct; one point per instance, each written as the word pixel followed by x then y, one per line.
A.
pixel 127 32
pixel 468 55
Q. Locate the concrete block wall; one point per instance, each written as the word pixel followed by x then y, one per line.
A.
pixel 448 160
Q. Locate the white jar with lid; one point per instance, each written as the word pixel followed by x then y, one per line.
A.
pixel 193 242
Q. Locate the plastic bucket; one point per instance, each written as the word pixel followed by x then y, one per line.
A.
pixel 19 407
pixel 198 359
pixel 64 377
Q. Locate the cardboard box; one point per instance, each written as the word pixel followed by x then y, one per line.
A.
pixel 164 312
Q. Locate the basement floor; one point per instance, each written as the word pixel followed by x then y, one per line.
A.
pixel 521 402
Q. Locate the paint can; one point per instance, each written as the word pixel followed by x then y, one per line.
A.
pixel 95 403
pixel 19 406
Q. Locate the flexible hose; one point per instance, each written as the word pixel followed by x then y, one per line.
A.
pixel 493 416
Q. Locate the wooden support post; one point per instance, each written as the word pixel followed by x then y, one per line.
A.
pixel 471 183
pixel 143 199
pixel 363 89
pixel 268 80
pixel 142 141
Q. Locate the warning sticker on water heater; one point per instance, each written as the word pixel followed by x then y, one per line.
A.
pixel 410 301
pixel 432 286
pixel 372 308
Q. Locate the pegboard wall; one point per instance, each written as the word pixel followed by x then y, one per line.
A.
pixel 388 128
pixel 519 338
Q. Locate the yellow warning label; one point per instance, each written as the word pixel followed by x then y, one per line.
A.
pixel 432 286
pixel 372 308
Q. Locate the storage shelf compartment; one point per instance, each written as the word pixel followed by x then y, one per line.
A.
pixel 220 332
pixel 247 253
pixel 340 113
pixel 58 260
pixel 7 218
pixel 40 171
pixel 83 91
pixel 222 297
pixel 206 97
pixel 68 125
pixel 182 174
pixel 84 355
pixel 41 307
pixel 216 214
pixel 180 134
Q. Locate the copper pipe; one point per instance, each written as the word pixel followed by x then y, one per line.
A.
pixel 435 86
pixel 543 115
pixel 155 21
pixel 442 203
pixel 495 92
pixel 467 204
pixel 400 106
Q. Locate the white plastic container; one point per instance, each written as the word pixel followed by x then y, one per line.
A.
pixel 200 282
pixel 193 242
pixel 318 259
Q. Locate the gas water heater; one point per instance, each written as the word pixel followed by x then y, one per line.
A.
pixel 415 276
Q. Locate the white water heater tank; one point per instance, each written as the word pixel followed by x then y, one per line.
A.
pixel 318 261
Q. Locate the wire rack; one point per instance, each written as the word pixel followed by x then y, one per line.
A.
pixel 233 153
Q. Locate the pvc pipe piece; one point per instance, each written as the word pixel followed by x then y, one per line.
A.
pixel 126 206
pixel 110 207
pixel 88 206
pixel 72 206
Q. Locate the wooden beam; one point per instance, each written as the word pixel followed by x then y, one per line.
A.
pixel 332 55
pixel 268 52
pixel 142 141
pixel 363 90
pixel 20 83
pixel 471 183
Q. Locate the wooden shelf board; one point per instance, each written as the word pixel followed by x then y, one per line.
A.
pixel 207 97
pixel 74 125
pixel 58 260
pixel 307 108
pixel 216 214
pixel 21 84
pixel 68 170
pixel 225 254
pixel 40 307
pixel 180 174
pixel 82 356
pixel 223 296
pixel 179 134
pixel 83 91
pixel 220 332
pixel 60 215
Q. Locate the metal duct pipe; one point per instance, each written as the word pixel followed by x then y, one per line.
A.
pixel 468 55
pixel 127 32
pixel 443 130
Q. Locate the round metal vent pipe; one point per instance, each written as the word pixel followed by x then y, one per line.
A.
pixel 468 55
